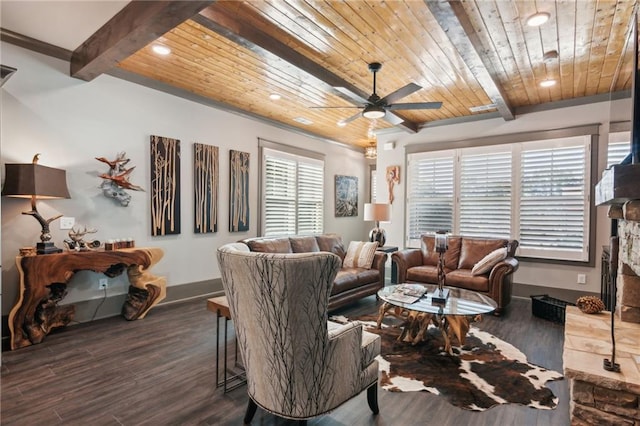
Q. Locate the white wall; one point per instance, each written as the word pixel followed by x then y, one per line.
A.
pixel 531 273
pixel 70 122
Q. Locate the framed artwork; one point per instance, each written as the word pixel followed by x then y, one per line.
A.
pixel 346 196
pixel 165 186
pixel 238 191
pixel 205 188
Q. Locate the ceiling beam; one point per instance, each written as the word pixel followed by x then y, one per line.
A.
pixel 455 22
pixel 238 31
pixel 139 23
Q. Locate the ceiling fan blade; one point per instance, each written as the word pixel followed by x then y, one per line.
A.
pixel 334 107
pixel 400 93
pixel 392 118
pixel 350 119
pixel 415 105
pixel 357 99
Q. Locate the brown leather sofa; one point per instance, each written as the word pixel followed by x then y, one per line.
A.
pixel 421 265
pixel 350 284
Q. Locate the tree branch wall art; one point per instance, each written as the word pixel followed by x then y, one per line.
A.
pixel 205 186
pixel 165 186
pixel 239 191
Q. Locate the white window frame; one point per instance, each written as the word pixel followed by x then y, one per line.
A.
pixel 586 135
pixel 298 156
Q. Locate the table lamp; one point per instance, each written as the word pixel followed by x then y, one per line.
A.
pixel 379 213
pixel 35 181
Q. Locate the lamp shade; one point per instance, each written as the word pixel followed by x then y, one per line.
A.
pixel 27 180
pixel 378 212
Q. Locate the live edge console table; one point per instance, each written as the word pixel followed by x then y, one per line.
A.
pixel 43 283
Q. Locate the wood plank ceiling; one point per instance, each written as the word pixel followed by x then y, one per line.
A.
pixel 463 54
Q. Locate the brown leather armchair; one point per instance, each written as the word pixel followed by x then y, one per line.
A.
pixel 421 265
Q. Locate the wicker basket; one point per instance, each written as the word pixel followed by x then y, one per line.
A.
pixel 549 308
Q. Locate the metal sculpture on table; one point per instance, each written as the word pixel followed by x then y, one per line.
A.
pixel 76 240
pixel 441 245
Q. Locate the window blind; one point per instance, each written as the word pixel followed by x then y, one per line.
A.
pixel 485 194
pixel 292 194
pixel 430 195
pixel 553 201
pixel 619 147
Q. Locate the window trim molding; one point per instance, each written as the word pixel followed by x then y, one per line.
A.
pixel 589 129
pixel 592 130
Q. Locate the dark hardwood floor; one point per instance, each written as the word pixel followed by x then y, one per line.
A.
pixel 160 371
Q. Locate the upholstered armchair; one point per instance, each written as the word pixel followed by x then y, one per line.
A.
pixel 298 364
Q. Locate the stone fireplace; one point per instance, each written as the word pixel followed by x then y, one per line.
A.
pixel 598 395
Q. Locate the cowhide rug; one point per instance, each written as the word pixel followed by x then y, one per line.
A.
pixel 483 373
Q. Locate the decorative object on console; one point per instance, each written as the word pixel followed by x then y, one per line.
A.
pixel 205 188
pixel 76 240
pixel 377 212
pixel 346 196
pixel 117 179
pixel 35 181
pixel 393 177
pixel 590 304
pixel 441 246
pixel 238 191
pixel 165 186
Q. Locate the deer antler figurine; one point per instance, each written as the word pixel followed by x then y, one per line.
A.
pixel 77 242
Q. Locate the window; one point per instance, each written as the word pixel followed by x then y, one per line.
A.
pixel 535 192
pixel 485 193
pixel 430 194
pixel 292 193
pixel 619 147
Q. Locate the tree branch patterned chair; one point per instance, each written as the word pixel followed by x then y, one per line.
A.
pixel 298 364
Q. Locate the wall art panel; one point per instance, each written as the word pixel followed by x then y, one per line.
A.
pixel 239 191
pixel 165 186
pixel 205 188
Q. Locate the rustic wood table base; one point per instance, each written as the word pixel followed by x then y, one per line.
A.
pixel 415 324
pixel 43 283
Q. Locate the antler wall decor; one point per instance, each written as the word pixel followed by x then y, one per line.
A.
pixel 117 179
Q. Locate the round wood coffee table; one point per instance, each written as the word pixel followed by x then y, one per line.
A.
pixel 452 317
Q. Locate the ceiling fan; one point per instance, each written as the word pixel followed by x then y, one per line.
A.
pixel 377 107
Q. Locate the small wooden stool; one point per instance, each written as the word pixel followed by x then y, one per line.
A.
pixel 220 306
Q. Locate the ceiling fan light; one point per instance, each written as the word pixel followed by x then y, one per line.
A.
pixel 373 111
pixel 538 19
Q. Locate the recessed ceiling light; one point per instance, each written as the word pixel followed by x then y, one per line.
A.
pixel 160 49
pixel 341 123
pixel 303 120
pixel 547 83
pixel 275 96
pixel 538 19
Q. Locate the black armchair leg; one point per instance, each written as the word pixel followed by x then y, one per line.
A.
pixel 251 411
pixel 372 398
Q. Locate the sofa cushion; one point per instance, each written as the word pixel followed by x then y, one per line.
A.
pixel 473 250
pixel 304 244
pixel 462 278
pixel 331 243
pixel 425 274
pixel 269 245
pixel 485 264
pixel 360 254
pixel 350 278
pixel 430 256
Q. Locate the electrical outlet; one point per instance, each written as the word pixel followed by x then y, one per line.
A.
pixel 582 279
pixel 103 284
pixel 67 222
